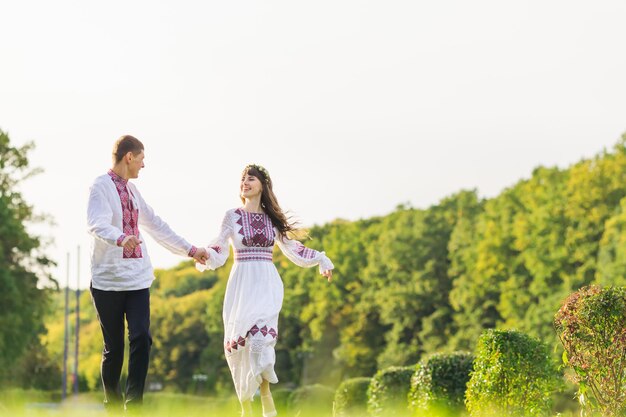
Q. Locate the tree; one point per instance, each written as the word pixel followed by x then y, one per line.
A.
pixel 591 325
pixel 22 265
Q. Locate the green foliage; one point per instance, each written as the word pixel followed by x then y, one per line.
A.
pixel 316 396
pixel 513 375
pixel 91 344
pixel 22 265
pixel 36 370
pixel 281 397
pixel 612 253
pixel 592 327
pixel 407 285
pixel 387 393
pixel 182 280
pixel 351 397
pixel 177 358
pixel 439 384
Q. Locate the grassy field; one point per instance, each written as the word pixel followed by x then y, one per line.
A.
pixel 20 403
pixel 36 403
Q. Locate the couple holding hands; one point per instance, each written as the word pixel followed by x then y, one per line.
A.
pixel 121 275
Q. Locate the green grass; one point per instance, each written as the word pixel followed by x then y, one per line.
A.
pixel 28 403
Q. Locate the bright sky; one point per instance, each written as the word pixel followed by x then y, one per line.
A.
pixel 353 106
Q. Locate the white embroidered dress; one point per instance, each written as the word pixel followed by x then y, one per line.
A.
pixel 254 294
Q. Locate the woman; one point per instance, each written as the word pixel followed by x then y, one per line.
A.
pixel 254 293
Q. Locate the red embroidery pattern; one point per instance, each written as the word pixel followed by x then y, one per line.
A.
pixel 304 252
pixel 256 228
pixel 234 345
pixel 253 254
pixel 216 248
pixel 241 342
pixel 130 214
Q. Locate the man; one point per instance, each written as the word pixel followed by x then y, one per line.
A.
pixel 121 272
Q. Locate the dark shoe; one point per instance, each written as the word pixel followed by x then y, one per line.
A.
pixel 113 408
pixel 132 410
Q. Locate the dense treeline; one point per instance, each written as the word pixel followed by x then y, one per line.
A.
pixel 22 267
pixel 408 284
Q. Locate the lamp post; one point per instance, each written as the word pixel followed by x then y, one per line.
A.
pixel 66 339
pixel 77 319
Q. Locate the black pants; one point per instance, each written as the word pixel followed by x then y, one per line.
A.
pixel 111 307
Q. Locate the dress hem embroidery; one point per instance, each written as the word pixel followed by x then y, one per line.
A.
pixel 241 341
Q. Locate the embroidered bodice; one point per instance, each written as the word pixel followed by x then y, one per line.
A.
pixel 253 236
pixel 256 229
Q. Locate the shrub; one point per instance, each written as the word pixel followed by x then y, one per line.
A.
pixel 281 397
pixel 315 397
pixel 439 383
pixel 388 391
pixel 513 375
pixel 351 397
pixel 591 325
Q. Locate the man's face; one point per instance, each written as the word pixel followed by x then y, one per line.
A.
pixel 135 164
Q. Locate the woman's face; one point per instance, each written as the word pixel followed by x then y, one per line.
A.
pixel 250 186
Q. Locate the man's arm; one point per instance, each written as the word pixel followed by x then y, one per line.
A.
pixel 99 218
pixel 163 234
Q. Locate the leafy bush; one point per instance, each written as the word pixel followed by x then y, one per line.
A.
pixel 513 375
pixel 351 397
pixel 388 391
pixel 281 397
pixel 37 370
pixel 308 397
pixel 591 324
pixel 439 383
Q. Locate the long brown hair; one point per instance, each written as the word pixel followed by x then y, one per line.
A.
pixel 269 202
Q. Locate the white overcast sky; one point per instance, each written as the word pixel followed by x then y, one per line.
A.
pixel 353 106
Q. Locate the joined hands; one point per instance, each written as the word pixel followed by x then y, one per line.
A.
pixel 201 256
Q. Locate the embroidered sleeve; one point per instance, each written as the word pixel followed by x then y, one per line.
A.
pixel 218 249
pixel 302 256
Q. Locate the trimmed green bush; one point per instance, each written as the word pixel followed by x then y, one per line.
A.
pixel 513 376
pixel 439 383
pixel 388 391
pixel 315 397
pixel 351 397
pixel 281 397
pixel 591 324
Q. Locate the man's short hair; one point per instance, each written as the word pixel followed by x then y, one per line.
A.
pixel 125 144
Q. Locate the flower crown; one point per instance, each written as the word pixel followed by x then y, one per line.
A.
pixel 260 169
